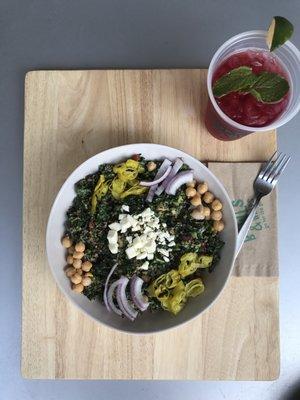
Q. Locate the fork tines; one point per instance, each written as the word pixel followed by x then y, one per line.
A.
pixel 274 167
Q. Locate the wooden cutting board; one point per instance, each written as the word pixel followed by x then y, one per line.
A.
pixel 72 115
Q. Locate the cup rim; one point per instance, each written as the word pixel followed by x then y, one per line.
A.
pixel 228 120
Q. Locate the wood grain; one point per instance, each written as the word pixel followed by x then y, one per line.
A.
pixel 72 115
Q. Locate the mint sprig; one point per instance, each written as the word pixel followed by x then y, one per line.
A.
pixel 266 87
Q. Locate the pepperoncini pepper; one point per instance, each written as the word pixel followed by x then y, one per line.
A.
pixel 100 190
pixel 170 289
pixel 124 184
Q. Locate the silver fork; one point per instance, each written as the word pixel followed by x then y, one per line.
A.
pixel 264 183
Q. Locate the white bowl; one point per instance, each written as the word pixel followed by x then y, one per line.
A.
pixel 147 323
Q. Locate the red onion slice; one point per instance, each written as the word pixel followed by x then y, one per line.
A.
pixel 110 299
pixel 180 179
pixel 123 303
pixel 136 284
pixel 106 286
pixel 157 181
pixel 176 167
pixel 162 169
pixel 151 193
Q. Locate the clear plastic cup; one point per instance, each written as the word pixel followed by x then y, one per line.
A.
pixel 217 122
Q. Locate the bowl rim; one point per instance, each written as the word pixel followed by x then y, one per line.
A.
pixel 116 149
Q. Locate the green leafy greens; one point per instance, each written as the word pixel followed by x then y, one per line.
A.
pixel 91 227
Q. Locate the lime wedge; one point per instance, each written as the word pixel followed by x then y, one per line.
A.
pixel 279 32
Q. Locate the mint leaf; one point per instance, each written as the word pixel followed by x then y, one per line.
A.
pixel 236 80
pixel 269 87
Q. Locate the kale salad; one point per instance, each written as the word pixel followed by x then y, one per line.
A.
pixel 141 235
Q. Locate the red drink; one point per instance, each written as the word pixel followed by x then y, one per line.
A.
pixel 244 108
pixel 232 115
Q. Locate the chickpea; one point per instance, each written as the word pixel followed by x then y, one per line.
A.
pixel 191 184
pixel 77 263
pixel 198 214
pixel 151 166
pixel 202 188
pixel 216 215
pixel 196 200
pixel 206 212
pixel 76 278
pixel 70 259
pixel 208 197
pixel 218 226
pixel 86 266
pixel 89 274
pixel 80 247
pixel 78 255
pixel 78 288
pixel 70 271
pixel 71 250
pixel 190 192
pixel 86 281
pixel 79 271
pixel 66 242
pixel 216 205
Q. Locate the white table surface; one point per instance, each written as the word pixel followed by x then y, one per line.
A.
pixel 131 33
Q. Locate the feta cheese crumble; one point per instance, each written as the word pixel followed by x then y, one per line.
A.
pixel 144 234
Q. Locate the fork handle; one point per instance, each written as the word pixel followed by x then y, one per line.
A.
pixel 246 226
